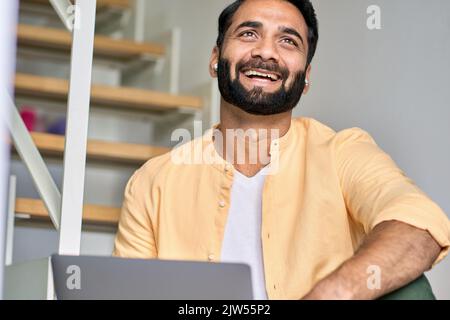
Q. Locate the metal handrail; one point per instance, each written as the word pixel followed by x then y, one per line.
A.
pixel 30 155
pixel 77 127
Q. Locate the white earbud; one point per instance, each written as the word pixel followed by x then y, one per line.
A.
pixel 307 82
pixel 216 66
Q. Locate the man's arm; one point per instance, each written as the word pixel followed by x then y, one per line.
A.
pixel 135 236
pixel 399 251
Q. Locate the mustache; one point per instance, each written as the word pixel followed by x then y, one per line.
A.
pixel 260 64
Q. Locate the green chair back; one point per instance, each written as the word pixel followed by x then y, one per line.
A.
pixel 419 289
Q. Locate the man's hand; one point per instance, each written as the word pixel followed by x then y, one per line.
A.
pixel 399 251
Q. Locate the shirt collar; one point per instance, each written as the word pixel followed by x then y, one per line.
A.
pixel 276 145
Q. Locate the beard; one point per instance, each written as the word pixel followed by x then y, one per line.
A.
pixel 256 101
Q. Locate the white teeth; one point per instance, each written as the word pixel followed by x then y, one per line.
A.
pixel 259 74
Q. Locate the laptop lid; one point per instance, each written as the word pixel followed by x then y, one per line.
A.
pixel 89 277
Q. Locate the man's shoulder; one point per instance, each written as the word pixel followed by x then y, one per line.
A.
pixel 319 130
pixel 306 124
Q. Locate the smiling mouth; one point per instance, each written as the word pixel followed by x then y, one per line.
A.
pixel 261 75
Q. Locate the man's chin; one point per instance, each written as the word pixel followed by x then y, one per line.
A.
pixel 264 91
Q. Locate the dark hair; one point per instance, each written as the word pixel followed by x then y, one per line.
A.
pixel 304 6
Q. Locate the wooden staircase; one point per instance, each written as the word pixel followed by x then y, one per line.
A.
pixel 49 39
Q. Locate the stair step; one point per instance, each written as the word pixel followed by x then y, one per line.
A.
pixel 116 4
pixel 108 96
pixel 126 153
pixel 106 47
pixel 92 214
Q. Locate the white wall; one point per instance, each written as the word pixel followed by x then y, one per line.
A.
pixel 198 22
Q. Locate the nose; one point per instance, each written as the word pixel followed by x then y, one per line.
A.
pixel 266 50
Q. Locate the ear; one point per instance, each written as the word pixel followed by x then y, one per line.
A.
pixel 213 61
pixel 307 78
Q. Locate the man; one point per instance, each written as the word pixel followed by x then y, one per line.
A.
pixel 316 213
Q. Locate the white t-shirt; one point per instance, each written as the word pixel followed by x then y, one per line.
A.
pixel 242 240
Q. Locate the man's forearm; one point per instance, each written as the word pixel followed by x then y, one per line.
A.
pixel 395 251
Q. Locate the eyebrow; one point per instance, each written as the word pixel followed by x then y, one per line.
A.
pixel 249 24
pixel 292 32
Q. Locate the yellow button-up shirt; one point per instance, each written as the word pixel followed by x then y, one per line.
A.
pixel 329 191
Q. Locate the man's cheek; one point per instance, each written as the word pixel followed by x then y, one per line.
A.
pixel 234 74
pixel 287 83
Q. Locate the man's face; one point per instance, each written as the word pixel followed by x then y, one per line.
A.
pixel 261 66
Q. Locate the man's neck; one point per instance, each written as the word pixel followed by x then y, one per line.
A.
pixel 267 128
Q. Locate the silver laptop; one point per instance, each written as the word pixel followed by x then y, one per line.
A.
pixel 88 277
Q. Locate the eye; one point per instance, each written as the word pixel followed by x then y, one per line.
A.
pixel 247 34
pixel 289 41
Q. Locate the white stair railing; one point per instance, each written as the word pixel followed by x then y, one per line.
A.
pixel 77 127
pixel 10 221
pixel 28 152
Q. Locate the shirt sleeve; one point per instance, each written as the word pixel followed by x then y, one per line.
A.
pixel 135 236
pixel 376 190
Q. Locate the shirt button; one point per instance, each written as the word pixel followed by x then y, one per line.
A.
pixel 221 203
pixel 227 168
pixel 211 257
